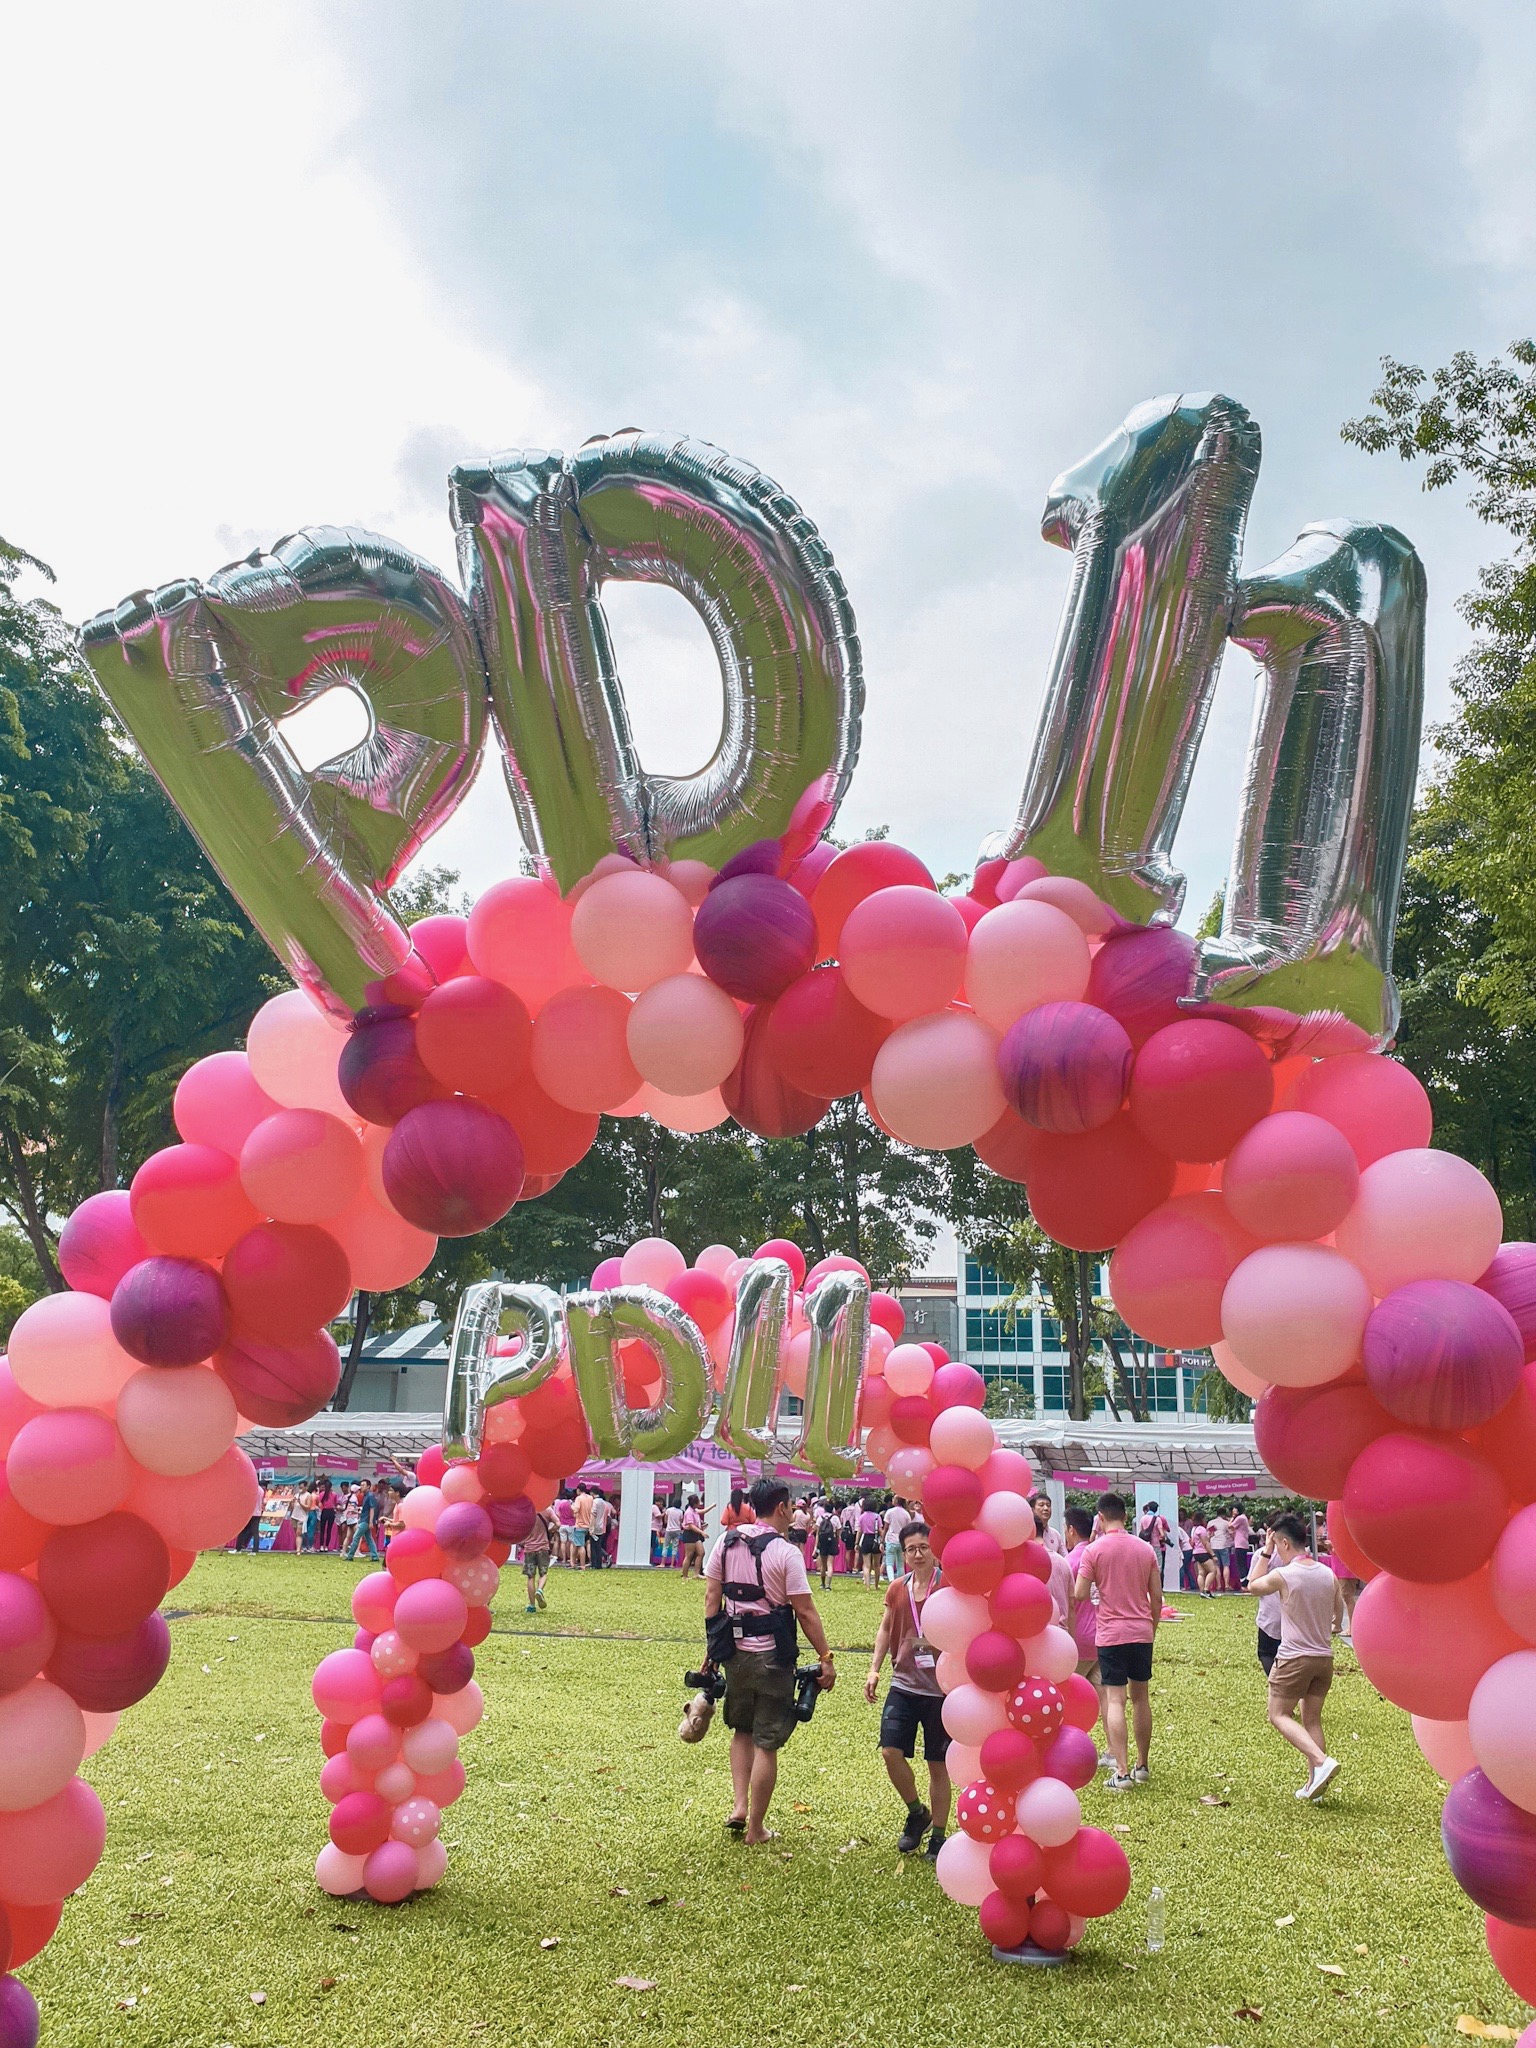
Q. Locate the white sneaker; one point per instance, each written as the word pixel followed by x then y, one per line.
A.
pixel 1140 1775
pixel 1119 1781
pixel 1321 1778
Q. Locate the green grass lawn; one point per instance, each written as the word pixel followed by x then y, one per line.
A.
pixel 589 1847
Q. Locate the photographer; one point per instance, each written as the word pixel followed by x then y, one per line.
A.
pixel 755 1591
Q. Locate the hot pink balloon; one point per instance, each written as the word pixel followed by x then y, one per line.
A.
pixel 389 1875
pixel 1291 1176
pixel 430 1614
pixel 1421 1215
pixel 27 1632
pixel 100 1242
pixel 345 1686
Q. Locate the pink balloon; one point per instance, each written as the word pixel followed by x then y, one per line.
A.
pixel 964 1870
pixel 27 1632
pixel 50 1849
pixel 372 1742
pixel 1295 1314
pixel 1017 876
pixel 430 1614
pixel 389 1875
pixel 1086 911
pixel 1052 1654
pixel 1049 1813
pixel 1233 1370
pixel 520 934
pixel 301 1165
pixel 200 1510
pixel 909 1370
pixel 345 1686
pixel 651 1262
pixel 684 1035
pixel 293 1049
pixel 432 1857
pixel 1426 1647
pixel 462 1710
pixel 176 1420
pixel 421 1508
pixel 383 1250
pixel 1445 1747
pixel 1170 1270
pixel 1378 1105
pixel 962 1436
pixel 955 1621
pixel 903 951
pixel 338 1873
pixel 717 1259
pixel 581 1047
pixel 685 1113
pixel 340 1777
pixel 99 1729
pixel 42 1744
pixel 1005 1471
pixel 63 1353
pixel 391 1655
pixel 908 1468
pixel 67 1466
pixel 970 1715
pixel 935 1081
pixel 416 1821
pixel 1421 1215
pixel 1502 1727
pixel 1291 1175
pixel 219 1102
pixel 1022 954
pixel 632 930
pixel 1512 1573
pixel 1007 1517
pixel 100 1242
pixel 957 1386
pixel 431 1746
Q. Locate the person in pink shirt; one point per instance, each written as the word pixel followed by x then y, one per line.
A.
pixel 1085 1618
pixel 1124 1572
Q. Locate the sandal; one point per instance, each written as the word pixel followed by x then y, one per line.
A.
pixel 737 1827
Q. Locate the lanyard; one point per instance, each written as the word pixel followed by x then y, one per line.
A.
pixel 917 1626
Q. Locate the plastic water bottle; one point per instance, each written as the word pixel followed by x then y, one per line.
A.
pixel 1157 1919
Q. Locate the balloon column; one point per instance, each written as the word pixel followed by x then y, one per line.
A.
pixel 1019 1717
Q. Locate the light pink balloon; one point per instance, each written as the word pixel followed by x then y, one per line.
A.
pixel 1018 875
pixel 1231 1368
pixel 293 1049
pixel 1049 1812
pixel 952 1620
pixel 963 1868
pixel 971 1715
pixel 462 1710
pixel 963 1763
pixel 684 1035
pixel 962 1436
pixel 42 1744
pixel 1006 1517
pixel 219 1102
pixel 178 1419
pixel 1421 1215
pixel 690 878
pixel 432 1859
pixel 687 1114
pixel 632 930
pixel 396 1782
pixel 1092 917
pixel 909 1369
pixel 1445 1747
pixel 1512 1578
pixel 460 1483
pixel 902 951
pixel 421 1507
pixel 881 1345
pixel 99 1729
pixel 717 1259
pixel 949 1669
pixel 1501 1726
pixel 63 1353
pixel 389 1875
pixel 337 1873
pixel 1295 1314
pixel 383 1250
pixel 1023 954
pixel 908 1468
pixel 935 1080
pixel 431 1745
pixel 69 1465
pixel 651 1262
pixel 1052 1654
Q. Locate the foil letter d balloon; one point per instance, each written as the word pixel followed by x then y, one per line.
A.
pixel 598 1325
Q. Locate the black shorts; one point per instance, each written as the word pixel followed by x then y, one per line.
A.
pixel 1125 1663
pixel 904 1713
pixel 869 1546
pixel 1269 1650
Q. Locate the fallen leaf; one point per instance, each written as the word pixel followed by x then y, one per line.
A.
pixel 1121 1827
pixel 659 1900
pixel 343 1927
pixel 550 1941
pixel 1249 2012
pixel 130 1941
pixel 258 1998
pixel 1480 2030
pixel 1289 1920
pixel 1330 1969
pixel 1210 1799
pixel 794 1987
pixel 635 1983
pixel 1132 1967
pixel 801 1806
pixel 615 1891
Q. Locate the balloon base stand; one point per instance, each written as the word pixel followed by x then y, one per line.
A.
pixel 1043 1958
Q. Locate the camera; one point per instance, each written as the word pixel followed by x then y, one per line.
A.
pixel 807 1687
pixel 710 1680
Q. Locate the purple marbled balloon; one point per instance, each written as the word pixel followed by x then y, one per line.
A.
pixel 511 1519
pixel 104 1674
pixel 463 1529
pixel 18 2015
pixel 1139 976
pixel 447 1670
pixel 1511 1280
pixel 1441 1354
pixel 1490 1844
pixel 1071 1755
pixel 762 857
pixel 754 935
pixel 1065 1067
pixel 169 1312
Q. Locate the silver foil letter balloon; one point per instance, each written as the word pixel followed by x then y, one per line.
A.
pixel 1154 518
pixel 598 1324
pixel 1338 625
pixel 479 1379
pixel 838 1313
pixel 203 674
pixel 539 536
pixel 749 1402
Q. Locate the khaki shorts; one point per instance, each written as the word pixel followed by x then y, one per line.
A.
pixel 760 1698
pixel 1295 1677
pixel 1088 1667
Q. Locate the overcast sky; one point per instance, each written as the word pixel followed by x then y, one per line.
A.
pixel 269 267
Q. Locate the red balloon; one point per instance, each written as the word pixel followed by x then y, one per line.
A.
pixel 911 1418
pixel 703 1296
pixel 32 1928
pixel 1080 1701
pixel 474 1035
pixel 821 1038
pixel 1017 1867
pixel 993 1660
pixel 1049 1926
pixel 1342 1543
pixel 759 1095
pixel 935 1351
pixel 1513 1950
pixel 278 1385
pixel 103 1578
pixel 360 1823
pixel 1169 1273
pixel 1426 1511
pixel 284 1281
pixel 553 1137
pixel 503 1470
pixel 478 1626
pixel 1021 1604
pixel 872 864
pixel 1310 1436
pixel 1089 1190
pixel 1198 1086
pixel 188 1203
pixel 754 935
pixel 381 1072
pixel 104 1674
pixel 406 1701
pixel 414 1555
pixel 1005 1924
pixel 453 1167
pixel 973 1560
pixel 1010 1759
pixel 952 1494
pixel 1139 976
pixel 1090 1875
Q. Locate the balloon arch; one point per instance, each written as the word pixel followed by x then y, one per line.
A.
pixel 1221 1113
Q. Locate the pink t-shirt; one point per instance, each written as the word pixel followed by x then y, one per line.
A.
pixel 1085 1623
pixel 1060 1589
pixel 783 1576
pixel 1124 1570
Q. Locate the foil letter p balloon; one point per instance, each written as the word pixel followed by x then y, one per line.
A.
pixel 478 1377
